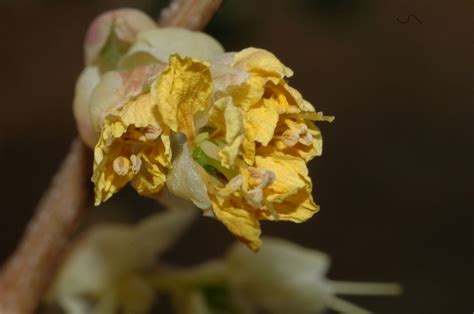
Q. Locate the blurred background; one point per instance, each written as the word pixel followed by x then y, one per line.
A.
pixel 395 180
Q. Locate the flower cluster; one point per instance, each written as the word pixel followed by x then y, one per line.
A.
pixel 223 130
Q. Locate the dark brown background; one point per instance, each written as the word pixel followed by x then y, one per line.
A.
pixel 395 180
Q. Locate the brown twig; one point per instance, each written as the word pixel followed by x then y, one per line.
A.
pixel 27 273
pixel 25 276
pixel 190 14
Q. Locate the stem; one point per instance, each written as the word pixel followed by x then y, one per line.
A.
pixel 365 288
pixel 209 273
pixel 27 273
pixel 190 14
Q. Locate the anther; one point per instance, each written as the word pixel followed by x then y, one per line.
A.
pixel 121 165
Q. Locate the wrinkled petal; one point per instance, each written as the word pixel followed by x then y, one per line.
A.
pixel 291 175
pixel 240 221
pixel 262 62
pixel 234 132
pixel 262 118
pixel 224 75
pixel 297 208
pixel 182 90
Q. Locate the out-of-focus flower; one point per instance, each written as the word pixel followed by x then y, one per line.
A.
pixel 287 278
pixel 282 278
pixel 107 269
pixel 223 130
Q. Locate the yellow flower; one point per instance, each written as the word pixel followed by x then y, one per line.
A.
pixel 259 135
pixel 134 143
pixel 272 110
pixel 277 187
pixel 133 146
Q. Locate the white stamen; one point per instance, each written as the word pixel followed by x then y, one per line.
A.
pixel 297 133
pixel 306 139
pixel 234 184
pixel 255 197
pixel 121 165
pixel 152 132
pixel 263 177
pixel 136 163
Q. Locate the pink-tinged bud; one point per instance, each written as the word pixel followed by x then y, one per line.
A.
pixel 122 24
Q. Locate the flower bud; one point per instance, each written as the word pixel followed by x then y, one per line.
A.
pixel 157 45
pixel 107 40
pixel 117 29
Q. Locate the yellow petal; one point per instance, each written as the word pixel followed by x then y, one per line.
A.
pixel 107 181
pixel 296 208
pixel 248 146
pixel 262 118
pixel 291 175
pixel 225 75
pixel 152 179
pixel 140 112
pixel 261 62
pixel 302 104
pixel 241 222
pixel 234 131
pixel 182 90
